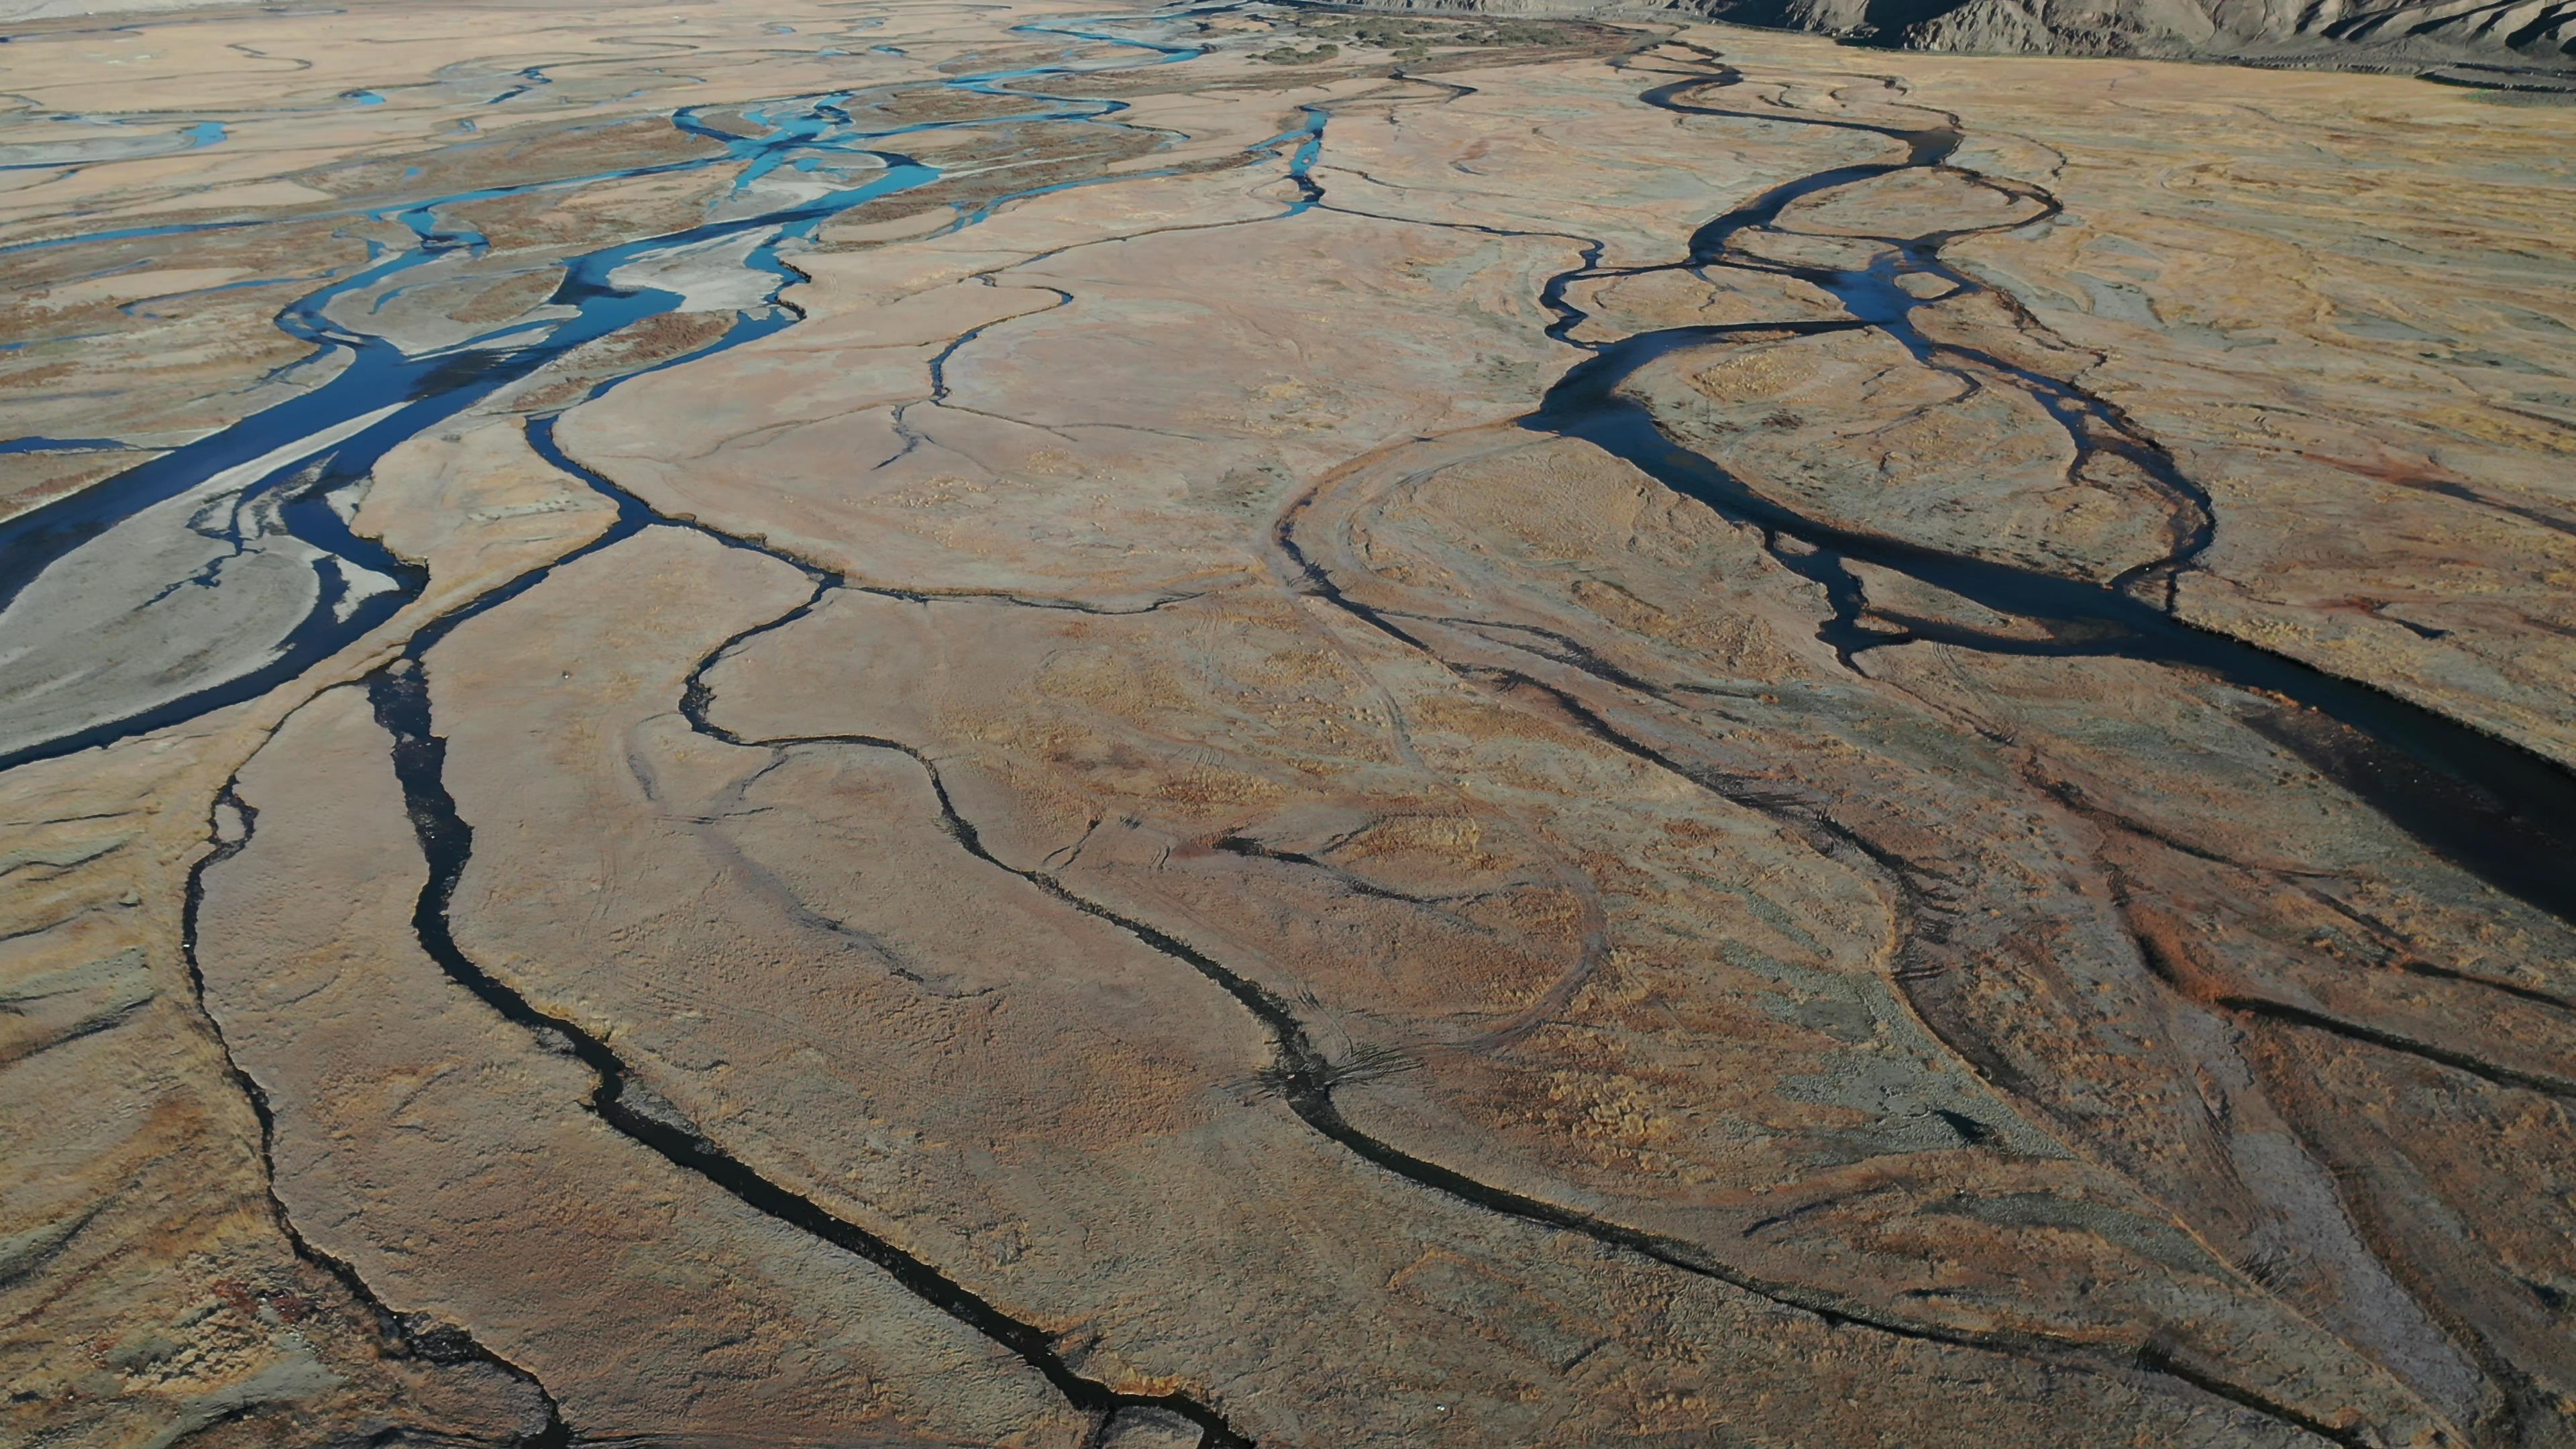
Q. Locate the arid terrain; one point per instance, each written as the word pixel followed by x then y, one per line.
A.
pixel 896 724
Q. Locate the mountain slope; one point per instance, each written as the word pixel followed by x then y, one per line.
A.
pixel 2510 44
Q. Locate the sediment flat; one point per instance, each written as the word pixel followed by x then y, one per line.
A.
pixel 909 724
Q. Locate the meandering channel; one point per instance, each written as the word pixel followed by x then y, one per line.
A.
pixel 275 481
pixel 2481 802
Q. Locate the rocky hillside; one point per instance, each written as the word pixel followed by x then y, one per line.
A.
pixel 2514 44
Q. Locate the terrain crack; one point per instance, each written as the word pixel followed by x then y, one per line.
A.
pixel 2499 1074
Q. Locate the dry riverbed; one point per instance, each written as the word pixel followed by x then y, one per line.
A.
pixel 899 724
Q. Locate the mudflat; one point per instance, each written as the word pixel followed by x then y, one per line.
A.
pixel 917 724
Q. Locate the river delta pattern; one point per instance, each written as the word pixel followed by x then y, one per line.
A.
pixel 877 724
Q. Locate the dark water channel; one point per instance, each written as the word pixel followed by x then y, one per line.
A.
pixel 2498 809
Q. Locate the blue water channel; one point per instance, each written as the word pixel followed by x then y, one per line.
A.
pixel 384 395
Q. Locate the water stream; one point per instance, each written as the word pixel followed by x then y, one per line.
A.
pixel 2500 811
pixel 214 572
pixel 277 485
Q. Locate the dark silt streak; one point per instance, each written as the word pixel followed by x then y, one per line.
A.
pixel 2499 811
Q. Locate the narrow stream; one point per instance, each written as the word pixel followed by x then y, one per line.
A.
pixel 280 481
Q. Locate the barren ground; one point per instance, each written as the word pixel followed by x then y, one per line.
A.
pixel 907 724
